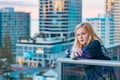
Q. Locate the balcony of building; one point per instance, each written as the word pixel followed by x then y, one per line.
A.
pixel 52 39
pixel 69 69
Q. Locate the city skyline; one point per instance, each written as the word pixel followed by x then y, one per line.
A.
pixel 91 8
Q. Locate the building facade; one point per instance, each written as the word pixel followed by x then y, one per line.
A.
pixel 14 24
pixel 104 27
pixel 57 21
pixel 113 8
pixel 37 54
pixel 116 16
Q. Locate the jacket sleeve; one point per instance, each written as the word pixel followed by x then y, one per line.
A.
pixel 68 53
pixel 92 50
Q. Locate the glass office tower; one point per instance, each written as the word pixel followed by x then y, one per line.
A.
pixel 15 24
pixel 57 21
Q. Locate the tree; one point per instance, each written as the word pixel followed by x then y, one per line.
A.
pixel 6 52
pixel 7 49
pixel 6 55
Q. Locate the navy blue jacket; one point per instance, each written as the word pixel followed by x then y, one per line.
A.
pixel 94 50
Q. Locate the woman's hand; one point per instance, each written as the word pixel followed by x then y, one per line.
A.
pixel 76 52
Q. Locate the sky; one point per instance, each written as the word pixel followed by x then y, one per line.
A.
pixel 91 8
pixel 30 6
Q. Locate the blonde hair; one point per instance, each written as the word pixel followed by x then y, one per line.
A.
pixel 92 34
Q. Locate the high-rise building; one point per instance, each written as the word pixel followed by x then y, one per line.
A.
pixel 116 16
pixel 104 28
pixel 57 22
pixel 113 7
pixel 58 18
pixel 14 24
pixel 110 7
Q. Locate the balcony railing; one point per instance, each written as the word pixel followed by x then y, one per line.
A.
pixel 74 69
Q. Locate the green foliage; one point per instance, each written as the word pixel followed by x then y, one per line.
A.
pixel 6 52
pixel 25 38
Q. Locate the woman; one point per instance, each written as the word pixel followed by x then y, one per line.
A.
pixel 88 45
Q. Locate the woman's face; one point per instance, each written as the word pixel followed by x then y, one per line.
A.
pixel 82 36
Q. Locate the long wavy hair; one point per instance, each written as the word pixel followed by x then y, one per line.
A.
pixel 91 33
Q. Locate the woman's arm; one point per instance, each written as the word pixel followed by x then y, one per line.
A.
pixel 69 54
pixel 92 50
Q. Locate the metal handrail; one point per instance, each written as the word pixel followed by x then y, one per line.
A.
pixel 90 62
pixel 61 61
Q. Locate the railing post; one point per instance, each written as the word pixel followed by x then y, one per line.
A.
pixel 59 68
pixel 118 54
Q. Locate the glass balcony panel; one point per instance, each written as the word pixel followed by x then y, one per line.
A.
pixel 92 70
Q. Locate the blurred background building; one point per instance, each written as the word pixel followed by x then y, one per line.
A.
pixel 113 9
pixel 103 25
pixel 14 24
